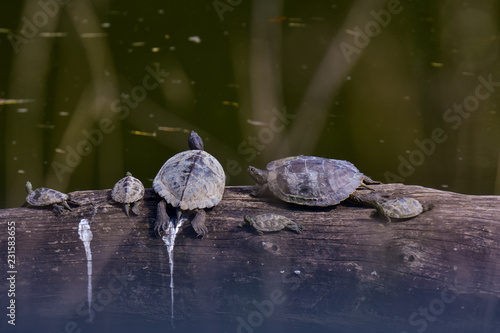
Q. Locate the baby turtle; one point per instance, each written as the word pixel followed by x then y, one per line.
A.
pixel 311 180
pixel 46 196
pixel 400 208
pixel 271 222
pixel 189 181
pixel 128 191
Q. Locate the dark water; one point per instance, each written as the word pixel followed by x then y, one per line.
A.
pixel 406 90
pixel 408 93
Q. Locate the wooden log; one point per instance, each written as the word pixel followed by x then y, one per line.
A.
pixel 348 271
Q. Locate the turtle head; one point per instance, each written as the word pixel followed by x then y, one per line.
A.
pixel 195 141
pixel 28 187
pixel 129 174
pixel 259 175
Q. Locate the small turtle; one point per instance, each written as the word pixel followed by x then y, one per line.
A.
pixel 271 222
pixel 400 208
pixel 311 180
pixel 46 196
pixel 128 190
pixel 189 181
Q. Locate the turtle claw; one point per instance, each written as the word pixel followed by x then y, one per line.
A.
pixel 135 208
pixel 198 223
pixel 162 218
pixel 59 209
pixel 127 209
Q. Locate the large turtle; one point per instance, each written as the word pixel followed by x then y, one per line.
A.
pixel 128 191
pixel 312 181
pixel 189 181
pixel 43 196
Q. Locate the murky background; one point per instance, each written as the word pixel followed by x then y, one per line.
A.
pixel 92 89
pixel 406 90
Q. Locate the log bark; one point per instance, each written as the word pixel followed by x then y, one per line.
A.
pixel 348 271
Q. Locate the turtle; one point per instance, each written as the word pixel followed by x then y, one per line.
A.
pixel 43 196
pixel 271 222
pixel 128 191
pixel 400 208
pixel 313 181
pixel 190 181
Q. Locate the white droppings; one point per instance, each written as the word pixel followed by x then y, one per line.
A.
pixel 282 272
pixel 86 236
pixel 297 271
pixel 169 240
pixel 374 273
pixel 455 267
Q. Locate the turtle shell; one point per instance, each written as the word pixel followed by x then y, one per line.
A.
pixel 271 222
pixel 313 181
pixel 402 208
pixel 45 196
pixel 128 190
pixel 190 180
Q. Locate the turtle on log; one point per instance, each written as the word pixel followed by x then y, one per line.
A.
pixel 313 181
pixel 190 181
pixel 271 222
pixel 128 191
pixel 43 196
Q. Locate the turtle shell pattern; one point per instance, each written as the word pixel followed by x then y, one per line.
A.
pixel 271 222
pixel 402 208
pixel 192 179
pixel 45 196
pixel 128 190
pixel 313 181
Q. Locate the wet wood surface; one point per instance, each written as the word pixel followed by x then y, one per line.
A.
pixel 349 270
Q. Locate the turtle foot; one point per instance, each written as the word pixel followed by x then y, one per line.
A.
pixel 162 217
pixel 198 223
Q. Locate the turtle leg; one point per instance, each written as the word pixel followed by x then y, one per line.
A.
pixel 260 191
pixel 368 199
pixel 381 211
pixel 295 227
pixel 65 204
pixel 58 208
pixel 135 208
pixel 126 206
pixel 162 218
pixel 198 222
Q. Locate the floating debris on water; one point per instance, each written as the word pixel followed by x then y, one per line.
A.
pixel 15 101
pixel 64 113
pixel 296 25
pixel 135 44
pixel 173 129
pixel 105 24
pixel 94 34
pixel 277 19
pixel 155 49
pixel 22 110
pixel 143 133
pixel 60 151
pixel 45 126
pixel 86 236
pixel 256 122
pixel 235 104
pixel 437 64
pixel 54 34
pixel 195 39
